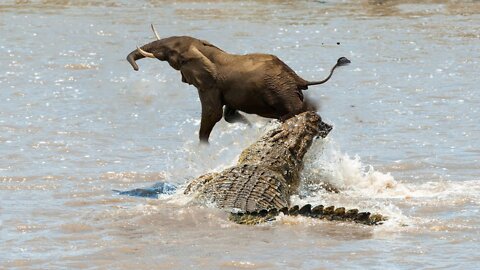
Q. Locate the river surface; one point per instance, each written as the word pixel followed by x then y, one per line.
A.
pixel 76 122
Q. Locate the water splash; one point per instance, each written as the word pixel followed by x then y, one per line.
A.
pixel 361 186
pixel 325 163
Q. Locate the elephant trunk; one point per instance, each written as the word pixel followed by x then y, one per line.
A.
pixel 136 54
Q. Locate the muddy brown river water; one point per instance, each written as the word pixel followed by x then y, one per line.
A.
pixel 77 122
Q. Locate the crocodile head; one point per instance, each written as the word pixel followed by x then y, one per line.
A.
pixel 299 132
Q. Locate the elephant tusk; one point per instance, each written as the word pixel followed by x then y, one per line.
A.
pixel 146 54
pixel 155 32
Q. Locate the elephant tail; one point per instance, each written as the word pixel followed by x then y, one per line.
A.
pixel 320 212
pixel 342 61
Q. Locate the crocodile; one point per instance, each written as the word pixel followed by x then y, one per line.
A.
pixel 258 188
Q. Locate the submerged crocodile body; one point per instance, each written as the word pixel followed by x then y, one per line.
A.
pixel 267 173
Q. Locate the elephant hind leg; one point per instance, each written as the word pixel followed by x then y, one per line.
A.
pixel 292 108
pixel 308 105
pixel 287 116
pixel 233 116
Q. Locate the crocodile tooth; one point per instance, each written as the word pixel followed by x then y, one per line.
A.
pixel 293 211
pixel 306 210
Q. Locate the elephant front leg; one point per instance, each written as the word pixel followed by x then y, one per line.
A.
pixel 209 118
pixel 211 113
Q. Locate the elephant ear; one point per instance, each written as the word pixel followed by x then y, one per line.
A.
pixel 208 44
pixel 197 69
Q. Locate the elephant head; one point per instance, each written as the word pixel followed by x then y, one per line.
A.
pixel 191 56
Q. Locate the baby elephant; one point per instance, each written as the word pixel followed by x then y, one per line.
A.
pixel 253 83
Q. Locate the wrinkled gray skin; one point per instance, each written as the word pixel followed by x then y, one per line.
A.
pixel 253 83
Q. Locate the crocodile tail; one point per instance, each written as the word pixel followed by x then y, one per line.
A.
pixel 320 212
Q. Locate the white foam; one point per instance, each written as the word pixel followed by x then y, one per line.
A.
pixel 327 163
pixel 360 186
